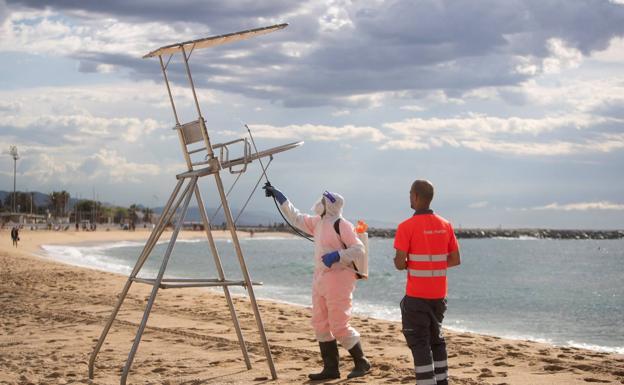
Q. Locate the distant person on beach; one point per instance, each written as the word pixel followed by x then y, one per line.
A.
pixel 426 247
pixel 336 247
pixel 15 235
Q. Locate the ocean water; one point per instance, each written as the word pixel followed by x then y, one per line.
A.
pixel 563 292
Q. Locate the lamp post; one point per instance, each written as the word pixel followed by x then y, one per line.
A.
pixel 15 155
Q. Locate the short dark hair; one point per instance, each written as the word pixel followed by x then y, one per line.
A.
pixel 424 189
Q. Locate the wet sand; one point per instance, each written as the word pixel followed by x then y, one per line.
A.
pixel 51 315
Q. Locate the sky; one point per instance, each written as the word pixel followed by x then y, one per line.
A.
pixel 514 110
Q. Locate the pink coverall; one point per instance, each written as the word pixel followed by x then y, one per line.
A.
pixel 332 288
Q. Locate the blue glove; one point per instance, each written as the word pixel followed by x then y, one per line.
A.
pixel 271 191
pixel 330 258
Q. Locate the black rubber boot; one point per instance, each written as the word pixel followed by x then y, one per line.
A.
pixel 362 365
pixel 329 353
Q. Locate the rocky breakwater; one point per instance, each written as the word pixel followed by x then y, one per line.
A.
pixel 519 233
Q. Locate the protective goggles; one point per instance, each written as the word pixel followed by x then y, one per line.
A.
pixel 329 196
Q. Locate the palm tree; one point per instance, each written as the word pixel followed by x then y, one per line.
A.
pixel 58 202
pixel 147 215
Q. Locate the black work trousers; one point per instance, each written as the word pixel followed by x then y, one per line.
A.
pixel 422 328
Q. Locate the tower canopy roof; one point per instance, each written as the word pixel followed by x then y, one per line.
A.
pixel 214 40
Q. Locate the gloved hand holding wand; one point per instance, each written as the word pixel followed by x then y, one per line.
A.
pixel 271 191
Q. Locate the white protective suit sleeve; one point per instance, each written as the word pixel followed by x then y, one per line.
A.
pixel 304 222
pixel 355 248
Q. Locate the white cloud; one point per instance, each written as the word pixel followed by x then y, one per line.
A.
pixel 84 128
pixel 100 96
pixel 581 206
pixel 561 57
pixel 478 205
pixel 10 106
pixel 314 132
pixel 341 113
pixel 335 18
pixel 614 53
pixel 119 169
pixel 513 135
pixel 45 32
pixel 58 166
pixel 404 145
pixel 82 114
pixel 413 107
pixel 50 167
pixel 475 125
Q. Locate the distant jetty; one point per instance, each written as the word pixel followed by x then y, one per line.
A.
pixel 519 233
pixel 484 233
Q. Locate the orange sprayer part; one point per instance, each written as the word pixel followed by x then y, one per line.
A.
pixel 361 227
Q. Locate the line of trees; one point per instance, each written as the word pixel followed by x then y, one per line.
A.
pixel 58 206
pixel 24 203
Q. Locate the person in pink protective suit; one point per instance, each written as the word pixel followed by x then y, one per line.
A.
pixel 333 280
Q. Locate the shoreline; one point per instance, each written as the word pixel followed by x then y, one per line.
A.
pixel 53 311
pixel 47 254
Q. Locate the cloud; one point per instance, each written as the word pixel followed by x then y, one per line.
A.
pixel 119 113
pixel 110 164
pixel 547 136
pixel 79 129
pixel 478 205
pixel 104 166
pixel 209 12
pixel 332 50
pixel 320 133
pixel 581 206
pixel 10 106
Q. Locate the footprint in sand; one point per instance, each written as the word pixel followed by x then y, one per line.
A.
pixel 589 379
pixel 485 373
pixel 554 368
pixel 552 360
pixel 503 363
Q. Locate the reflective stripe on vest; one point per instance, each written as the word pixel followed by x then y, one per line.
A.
pixel 427 273
pixel 428 258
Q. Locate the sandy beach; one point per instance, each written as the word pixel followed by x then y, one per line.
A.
pixel 51 314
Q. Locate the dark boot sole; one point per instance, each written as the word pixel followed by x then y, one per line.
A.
pixel 361 371
pixel 327 377
pixel 358 374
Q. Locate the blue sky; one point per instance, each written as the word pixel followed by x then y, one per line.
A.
pixel 514 109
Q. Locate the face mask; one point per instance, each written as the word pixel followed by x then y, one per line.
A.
pixel 318 208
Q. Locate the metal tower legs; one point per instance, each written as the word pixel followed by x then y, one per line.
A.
pixel 167 215
pixel 243 265
pixel 226 290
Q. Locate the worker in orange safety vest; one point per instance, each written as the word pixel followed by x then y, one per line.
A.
pixel 426 247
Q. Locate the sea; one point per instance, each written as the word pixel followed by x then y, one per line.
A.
pixel 561 292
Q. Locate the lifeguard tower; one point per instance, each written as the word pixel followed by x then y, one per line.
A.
pixel 201 160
